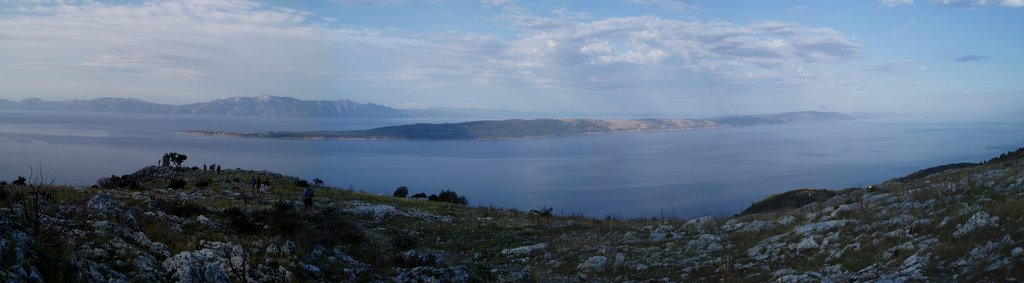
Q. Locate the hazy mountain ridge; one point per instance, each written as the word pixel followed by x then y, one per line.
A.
pixel 263 105
pixel 538 128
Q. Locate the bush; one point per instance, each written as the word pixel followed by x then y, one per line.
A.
pixel 282 206
pixel 283 219
pixel 419 195
pixel 331 228
pixel 20 181
pixel 240 222
pixel 401 192
pixel 113 182
pixel 432 198
pixel 452 197
pixel 302 184
pixel 788 200
pixel 544 211
pixel 202 183
pixel 108 182
pixel 180 208
pixel 176 184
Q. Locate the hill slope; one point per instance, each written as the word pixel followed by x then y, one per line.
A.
pixel 964 224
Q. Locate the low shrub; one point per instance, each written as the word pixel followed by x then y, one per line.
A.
pixel 330 228
pixel 283 218
pixel 545 211
pixel 176 184
pixel 240 222
pixel 401 192
pixel 452 197
pixel 114 181
pixel 181 208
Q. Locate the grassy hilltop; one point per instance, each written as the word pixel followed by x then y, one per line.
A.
pixel 963 223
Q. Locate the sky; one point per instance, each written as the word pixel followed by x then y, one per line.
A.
pixel 649 57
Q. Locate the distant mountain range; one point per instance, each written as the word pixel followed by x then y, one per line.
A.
pixel 263 105
pixel 537 128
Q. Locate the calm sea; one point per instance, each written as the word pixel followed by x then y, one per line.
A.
pixel 682 174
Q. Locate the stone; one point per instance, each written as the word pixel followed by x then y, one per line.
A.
pixel 524 250
pixel 664 232
pixel 596 263
pixel 806 244
pixel 701 224
pixel 422 258
pixel 978 220
pixel 820 226
pixel 101 204
pixel 786 220
pixel 211 263
pixel 426 274
pixel 705 243
pixel 620 259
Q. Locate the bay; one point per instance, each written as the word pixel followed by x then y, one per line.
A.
pixel 681 174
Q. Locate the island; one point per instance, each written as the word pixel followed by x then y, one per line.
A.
pixel 538 128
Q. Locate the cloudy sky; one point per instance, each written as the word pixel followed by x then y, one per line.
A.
pixel 671 57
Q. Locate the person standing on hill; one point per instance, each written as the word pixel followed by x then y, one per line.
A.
pixel 307 198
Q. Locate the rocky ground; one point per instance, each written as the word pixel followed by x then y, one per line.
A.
pixel 961 224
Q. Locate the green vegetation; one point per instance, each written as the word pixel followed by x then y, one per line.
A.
pixel 964 223
pixel 788 200
pixel 1002 158
pixel 174 157
pixel 401 192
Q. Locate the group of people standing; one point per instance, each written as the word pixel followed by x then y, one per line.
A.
pixel 260 187
pixel 212 167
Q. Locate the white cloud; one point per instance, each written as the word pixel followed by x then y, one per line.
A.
pixel 969 3
pixel 198 50
pixel 495 2
pixel 368 2
pixel 894 3
pixel 762 52
pixel 670 5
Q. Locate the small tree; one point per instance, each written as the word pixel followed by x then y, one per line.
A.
pixel 318 182
pixel 401 192
pixel 175 157
pixel 179 159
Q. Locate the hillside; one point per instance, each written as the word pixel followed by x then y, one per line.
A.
pixel 263 105
pixel 537 128
pixel 963 224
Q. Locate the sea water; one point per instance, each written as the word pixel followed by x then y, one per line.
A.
pixel 682 174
